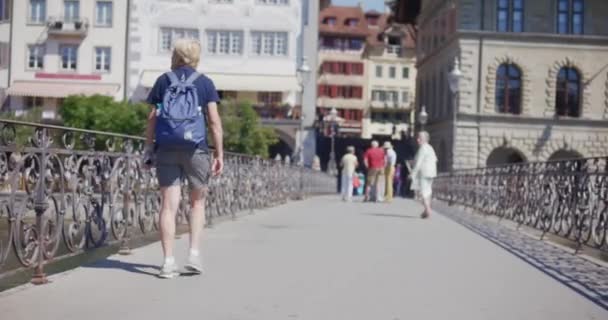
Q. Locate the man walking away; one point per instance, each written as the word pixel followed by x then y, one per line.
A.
pixel 184 104
pixel 424 171
pixel 349 165
pixel 389 171
pixel 374 162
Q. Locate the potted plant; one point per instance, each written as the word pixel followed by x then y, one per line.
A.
pixel 58 25
pixel 78 25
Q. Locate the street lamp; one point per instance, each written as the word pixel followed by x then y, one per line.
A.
pixel 303 75
pixel 333 119
pixel 454 82
pixel 423 117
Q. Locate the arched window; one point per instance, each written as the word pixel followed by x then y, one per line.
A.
pixel 508 89
pixel 568 94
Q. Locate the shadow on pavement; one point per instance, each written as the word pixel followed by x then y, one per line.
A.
pixel 126 266
pixel 390 215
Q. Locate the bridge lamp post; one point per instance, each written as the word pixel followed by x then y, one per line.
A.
pixel 333 121
pixel 454 82
pixel 303 74
pixel 423 117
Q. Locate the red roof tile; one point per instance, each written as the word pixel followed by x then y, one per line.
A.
pixel 342 15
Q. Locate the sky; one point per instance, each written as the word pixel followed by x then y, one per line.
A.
pixel 377 5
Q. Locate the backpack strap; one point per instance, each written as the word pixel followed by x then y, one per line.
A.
pixel 192 78
pixel 173 78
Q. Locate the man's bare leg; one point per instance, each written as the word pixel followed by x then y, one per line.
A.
pixel 170 202
pixel 197 223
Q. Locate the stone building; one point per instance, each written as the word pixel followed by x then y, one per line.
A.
pixel 534 83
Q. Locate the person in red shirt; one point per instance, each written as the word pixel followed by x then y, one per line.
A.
pixel 374 162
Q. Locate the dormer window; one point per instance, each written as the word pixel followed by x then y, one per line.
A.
pixel 351 22
pixel 394 41
pixel 372 20
pixel 330 21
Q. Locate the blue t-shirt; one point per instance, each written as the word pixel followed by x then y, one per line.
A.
pixel 205 89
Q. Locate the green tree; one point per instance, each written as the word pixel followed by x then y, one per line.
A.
pixel 102 113
pixel 243 132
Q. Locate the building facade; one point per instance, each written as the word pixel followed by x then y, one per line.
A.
pixel 66 47
pixel 250 56
pixel 5 37
pixel 534 83
pixel 342 75
pixel 390 59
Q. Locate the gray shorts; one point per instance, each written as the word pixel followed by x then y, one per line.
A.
pixel 172 166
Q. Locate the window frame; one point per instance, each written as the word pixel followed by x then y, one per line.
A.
pixel 5 14
pixel 43 15
pixel 76 49
pixel 570 14
pixel 379 68
pixel 278 48
pixel 562 86
pixel 218 42
pixel 510 11
pixel 172 36
pixel 392 72
pixel 273 2
pixel 73 16
pixel 405 72
pixel 111 16
pixel 103 61
pixel 28 56
pixel 506 90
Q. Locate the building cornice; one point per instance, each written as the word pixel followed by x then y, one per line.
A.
pixel 519 120
pixel 532 37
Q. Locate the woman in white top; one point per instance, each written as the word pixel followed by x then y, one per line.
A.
pixel 349 165
pixel 424 171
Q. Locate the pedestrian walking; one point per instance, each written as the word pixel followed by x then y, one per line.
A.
pixel 397 181
pixel 374 162
pixel 184 104
pixel 349 165
pixel 424 171
pixel 389 170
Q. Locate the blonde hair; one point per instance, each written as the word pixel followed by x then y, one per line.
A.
pixel 186 52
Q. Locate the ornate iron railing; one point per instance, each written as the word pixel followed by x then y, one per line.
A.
pixel 68 190
pixel 566 198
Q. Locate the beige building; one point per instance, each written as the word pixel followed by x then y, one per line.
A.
pixel 391 77
pixel 534 83
pixel 66 47
pixel 342 74
pixel 5 28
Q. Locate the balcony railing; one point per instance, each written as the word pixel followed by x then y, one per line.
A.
pixel 65 191
pixel 278 112
pixel 394 49
pixel 68 27
pixel 566 198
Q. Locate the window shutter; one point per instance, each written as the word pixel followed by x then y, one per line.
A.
pixel 321 90
pixel 335 67
pixel 348 68
pixel 334 91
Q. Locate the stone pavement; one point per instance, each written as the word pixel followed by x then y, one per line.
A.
pixel 318 259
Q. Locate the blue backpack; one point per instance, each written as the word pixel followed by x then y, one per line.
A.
pixel 180 121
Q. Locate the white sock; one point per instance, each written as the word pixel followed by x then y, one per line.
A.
pixel 194 252
pixel 169 260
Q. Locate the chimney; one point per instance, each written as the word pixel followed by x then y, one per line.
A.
pixel 360 4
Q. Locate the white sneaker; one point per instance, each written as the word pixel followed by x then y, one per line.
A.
pixel 168 271
pixel 194 264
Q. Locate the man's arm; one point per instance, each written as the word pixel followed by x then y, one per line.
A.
pixel 151 127
pixel 215 125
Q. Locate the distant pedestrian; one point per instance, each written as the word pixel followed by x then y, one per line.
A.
pixel 389 171
pixel 374 162
pixel 349 165
pixel 424 171
pixel 397 181
pixel 182 149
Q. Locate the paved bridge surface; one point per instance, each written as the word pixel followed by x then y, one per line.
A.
pixel 322 259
